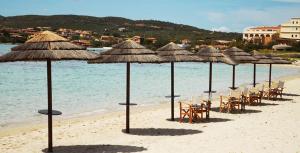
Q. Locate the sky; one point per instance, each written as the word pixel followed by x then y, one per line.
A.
pixel 219 15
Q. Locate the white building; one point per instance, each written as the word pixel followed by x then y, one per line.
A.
pixel 262 34
pixel 291 29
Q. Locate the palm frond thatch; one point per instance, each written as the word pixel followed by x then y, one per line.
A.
pixel 42 55
pixel 46 36
pixel 128 51
pixel 239 56
pixel 48 46
pixel 211 54
pixel 33 50
pixel 174 53
pixel 261 59
pixel 278 60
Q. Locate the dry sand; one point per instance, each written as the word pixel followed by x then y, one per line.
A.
pixel 273 127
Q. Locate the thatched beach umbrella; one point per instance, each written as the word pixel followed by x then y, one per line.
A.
pixel 240 57
pixel 261 59
pixel 47 46
pixel 213 55
pixel 173 53
pixel 127 52
pixel 276 60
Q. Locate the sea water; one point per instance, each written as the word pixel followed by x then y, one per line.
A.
pixel 80 88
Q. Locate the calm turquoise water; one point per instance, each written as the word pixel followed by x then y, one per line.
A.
pixel 79 87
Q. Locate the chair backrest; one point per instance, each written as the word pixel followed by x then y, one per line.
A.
pixel 280 84
pixel 194 100
pixel 274 85
pixel 235 93
pixel 254 90
pixel 262 87
pixel 245 92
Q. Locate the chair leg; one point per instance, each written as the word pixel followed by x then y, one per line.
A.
pixel 190 116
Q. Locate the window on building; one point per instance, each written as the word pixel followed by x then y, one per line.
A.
pixel 293 22
pixel 296 35
pixel 251 35
pixel 246 35
pixel 292 35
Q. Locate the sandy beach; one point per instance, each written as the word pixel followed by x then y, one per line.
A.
pixel 272 127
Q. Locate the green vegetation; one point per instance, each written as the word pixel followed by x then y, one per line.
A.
pixel 163 31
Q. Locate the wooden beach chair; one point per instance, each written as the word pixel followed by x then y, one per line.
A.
pixel 185 110
pixel 255 96
pixel 224 103
pixel 273 91
pixel 232 102
pixel 280 89
pixel 200 107
pixel 236 99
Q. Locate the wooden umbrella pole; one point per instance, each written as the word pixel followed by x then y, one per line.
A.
pixel 127 97
pixel 210 77
pixel 254 75
pixel 49 79
pixel 172 91
pixel 270 76
pixel 233 77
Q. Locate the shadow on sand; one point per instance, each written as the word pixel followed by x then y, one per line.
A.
pixel 267 104
pixel 247 111
pixel 290 94
pixel 95 149
pixel 282 99
pixel 204 120
pixel 161 132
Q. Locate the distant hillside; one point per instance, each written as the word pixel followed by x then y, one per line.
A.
pixel 110 25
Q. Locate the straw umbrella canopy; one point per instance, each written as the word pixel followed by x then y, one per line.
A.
pixel 174 53
pixel 276 60
pixel 127 52
pixel 213 55
pixel 238 56
pixel 47 46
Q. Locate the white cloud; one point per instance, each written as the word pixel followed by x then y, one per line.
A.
pixel 221 29
pixel 237 20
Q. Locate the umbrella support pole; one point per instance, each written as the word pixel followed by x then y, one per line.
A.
pixel 254 75
pixel 209 90
pixel 127 97
pixel 49 79
pixel 172 91
pixel 270 76
pixel 233 78
pixel 210 77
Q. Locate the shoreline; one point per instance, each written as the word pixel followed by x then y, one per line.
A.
pixel 34 125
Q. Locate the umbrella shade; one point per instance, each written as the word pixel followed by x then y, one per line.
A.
pixel 278 60
pixel 213 55
pixel 127 52
pixel 47 46
pixel 174 53
pixel 238 56
pixel 261 59
pixel 43 47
